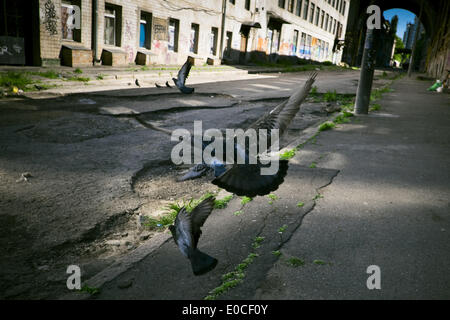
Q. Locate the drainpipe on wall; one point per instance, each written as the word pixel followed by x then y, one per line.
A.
pixel 222 35
pixel 94 31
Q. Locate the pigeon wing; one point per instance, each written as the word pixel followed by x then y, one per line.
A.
pixel 183 228
pixel 184 72
pixel 282 115
pixel 198 217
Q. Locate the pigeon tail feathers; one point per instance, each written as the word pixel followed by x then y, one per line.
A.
pixel 247 180
pixel 201 262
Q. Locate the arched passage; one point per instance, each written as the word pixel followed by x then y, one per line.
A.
pixel 435 19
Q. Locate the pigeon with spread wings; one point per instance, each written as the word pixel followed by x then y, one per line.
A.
pixel 186 232
pixel 182 76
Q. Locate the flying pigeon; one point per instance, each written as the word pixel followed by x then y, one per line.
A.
pixel 246 179
pixel 186 232
pixel 137 83
pixel 182 76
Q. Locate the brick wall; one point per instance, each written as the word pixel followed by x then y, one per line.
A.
pixel 207 13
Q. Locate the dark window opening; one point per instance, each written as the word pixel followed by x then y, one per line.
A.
pixel 113 23
pixel 247 5
pixel 213 41
pixel 174 29
pixel 194 38
pixel 145 30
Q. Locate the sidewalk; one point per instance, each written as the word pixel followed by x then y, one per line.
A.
pixel 378 194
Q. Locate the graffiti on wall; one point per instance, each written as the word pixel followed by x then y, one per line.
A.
pixel 160 30
pixel 50 18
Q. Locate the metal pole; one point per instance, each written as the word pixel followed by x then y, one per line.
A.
pixel 222 35
pixel 410 67
pixel 94 30
pixel 366 75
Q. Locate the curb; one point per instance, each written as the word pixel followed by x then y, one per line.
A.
pixel 123 264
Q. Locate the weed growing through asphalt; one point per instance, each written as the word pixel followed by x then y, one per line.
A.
pixel 78 71
pixel 295 262
pixel 319 262
pixel 99 77
pixel 326 126
pixel 272 198
pixel 313 165
pixel 330 96
pixel 288 154
pixel 90 290
pixel 318 196
pixel 84 79
pixel 300 204
pixel 341 119
pixel 283 228
pixel 375 107
pixel 257 242
pixel 238 213
pixel 245 200
pixel 222 203
pixel 276 253
pixel 232 279
pixel 168 218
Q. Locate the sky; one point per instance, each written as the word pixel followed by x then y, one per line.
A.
pixel 404 16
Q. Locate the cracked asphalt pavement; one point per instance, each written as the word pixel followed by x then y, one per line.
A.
pixel 95 171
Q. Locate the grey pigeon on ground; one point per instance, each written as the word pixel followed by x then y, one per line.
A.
pixel 182 76
pixel 137 83
pixel 186 232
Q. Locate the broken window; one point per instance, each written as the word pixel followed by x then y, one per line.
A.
pixel 112 24
pixel 71 28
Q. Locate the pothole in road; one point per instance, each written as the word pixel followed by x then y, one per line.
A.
pixel 77 127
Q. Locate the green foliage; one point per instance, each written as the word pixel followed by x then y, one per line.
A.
pixel 78 71
pixel 319 262
pixel 300 204
pixel 222 203
pixel 245 200
pixel 375 107
pixel 15 79
pixel 84 79
pixel 283 228
pixel 89 290
pixel 295 262
pixel 330 96
pixel 232 279
pixel 326 126
pixel 276 253
pixel 238 213
pixel 288 154
pixel 341 119
pixel 313 165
